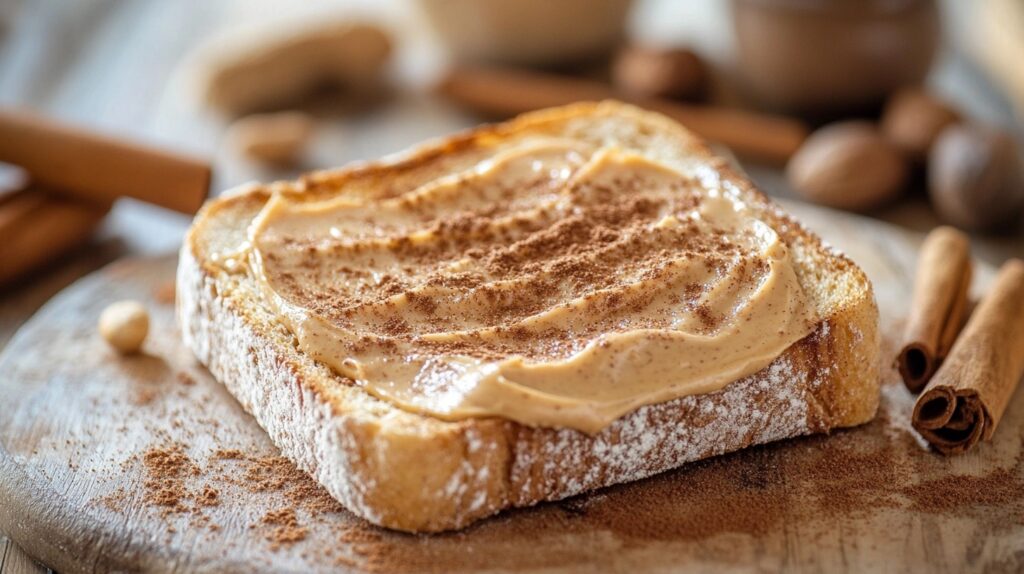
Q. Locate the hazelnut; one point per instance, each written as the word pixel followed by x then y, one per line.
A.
pixel 913 120
pixel 650 72
pixel 277 138
pixel 125 325
pixel 975 178
pixel 848 165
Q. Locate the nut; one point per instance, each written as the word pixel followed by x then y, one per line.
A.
pixel 913 120
pixel 651 72
pixel 257 69
pixel 975 178
pixel 125 325
pixel 278 138
pixel 848 165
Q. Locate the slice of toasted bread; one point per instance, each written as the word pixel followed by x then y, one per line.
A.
pixel 417 473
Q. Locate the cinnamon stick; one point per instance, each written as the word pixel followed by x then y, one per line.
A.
pixel 85 165
pixel 938 307
pixel 37 227
pixel 966 398
pixel 504 92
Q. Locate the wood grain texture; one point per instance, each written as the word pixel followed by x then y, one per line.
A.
pixel 73 486
pixel 13 560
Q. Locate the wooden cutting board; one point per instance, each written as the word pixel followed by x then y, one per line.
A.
pixel 147 463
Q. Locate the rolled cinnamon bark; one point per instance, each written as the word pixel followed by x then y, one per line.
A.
pixel 939 305
pixel 37 227
pixel 84 165
pixel 968 394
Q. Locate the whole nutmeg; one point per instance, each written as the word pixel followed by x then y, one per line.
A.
pixel 125 325
pixel 975 178
pixel 652 72
pixel 913 120
pixel 848 165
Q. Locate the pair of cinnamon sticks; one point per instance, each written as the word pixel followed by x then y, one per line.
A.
pixel 37 226
pixel 74 176
pixel 965 368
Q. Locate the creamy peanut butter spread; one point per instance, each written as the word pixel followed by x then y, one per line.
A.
pixel 553 284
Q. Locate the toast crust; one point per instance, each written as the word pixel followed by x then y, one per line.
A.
pixel 416 473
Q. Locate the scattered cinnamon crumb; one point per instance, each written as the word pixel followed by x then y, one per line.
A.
pixel 166 471
pixel 1001 488
pixel 209 496
pixel 271 473
pixel 229 454
pixel 286 529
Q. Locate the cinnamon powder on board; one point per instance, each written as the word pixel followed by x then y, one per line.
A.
pixel 166 471
pixel 286 528
pixel 813 481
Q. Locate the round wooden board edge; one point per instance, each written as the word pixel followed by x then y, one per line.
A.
pixel 53 546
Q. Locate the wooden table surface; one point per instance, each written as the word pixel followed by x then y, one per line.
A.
pixel 117 66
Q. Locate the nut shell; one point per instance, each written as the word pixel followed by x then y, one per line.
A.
pixel 913 120
pixel 975 178
pixel 848 165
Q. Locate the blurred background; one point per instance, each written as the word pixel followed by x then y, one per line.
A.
pixel 189 76
pixel 909 111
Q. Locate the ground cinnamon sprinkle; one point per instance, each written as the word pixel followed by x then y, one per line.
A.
pixel 844 477
pixel 1001 488
pixel 229 454
pixel 604 238
pixel 270 473
pixel 166 471
pixel 276 473
pixel 286 529
pixel 209 496
pixel 170 474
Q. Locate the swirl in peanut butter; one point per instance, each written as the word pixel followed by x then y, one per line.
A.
pixel 557 283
